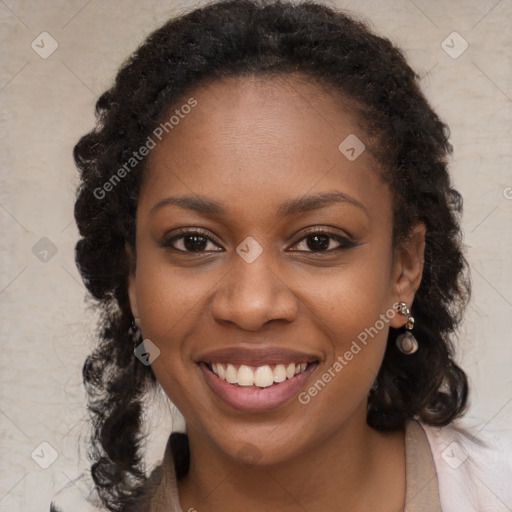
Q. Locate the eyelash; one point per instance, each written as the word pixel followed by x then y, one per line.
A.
pixel 345 242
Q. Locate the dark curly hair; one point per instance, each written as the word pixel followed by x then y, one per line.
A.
pixel 266 38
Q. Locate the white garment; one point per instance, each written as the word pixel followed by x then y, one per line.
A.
pixel 474 473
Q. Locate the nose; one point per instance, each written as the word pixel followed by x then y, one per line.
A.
pixel 252 294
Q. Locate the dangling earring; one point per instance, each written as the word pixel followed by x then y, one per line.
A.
pixel 406 342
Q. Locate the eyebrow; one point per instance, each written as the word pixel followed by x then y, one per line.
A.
pixel 296 206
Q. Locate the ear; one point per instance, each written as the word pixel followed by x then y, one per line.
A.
pixel 132 292
pixel 408 269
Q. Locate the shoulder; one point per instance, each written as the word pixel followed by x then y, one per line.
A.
pixel 473 466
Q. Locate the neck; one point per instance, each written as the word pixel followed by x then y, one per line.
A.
pixel 357 468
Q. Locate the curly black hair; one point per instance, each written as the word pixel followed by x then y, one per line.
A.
pixel 324 46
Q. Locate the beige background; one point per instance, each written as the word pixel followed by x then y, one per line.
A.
pixel 47 103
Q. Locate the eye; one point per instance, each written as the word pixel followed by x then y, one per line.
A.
pixel 198 241
pixel 191 241
pixel 320 240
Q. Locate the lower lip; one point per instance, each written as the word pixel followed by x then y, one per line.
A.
pixel 252 399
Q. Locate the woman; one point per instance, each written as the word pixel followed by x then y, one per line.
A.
pixel 270 231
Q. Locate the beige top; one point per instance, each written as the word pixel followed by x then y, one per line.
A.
pixel 422 489
pixel 421 494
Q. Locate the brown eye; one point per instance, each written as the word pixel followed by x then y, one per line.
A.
pixel 322 241
pixel 194 242
pixel 190 241
pixel 318 242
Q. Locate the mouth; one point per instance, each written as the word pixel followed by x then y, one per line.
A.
pixel 263 376
pixel 251 382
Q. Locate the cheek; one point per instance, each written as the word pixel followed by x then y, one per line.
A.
pixel 167 310
pixel 354 315
pixel 352 308
pixel 173 304
pixel 170 298
pixel 350 299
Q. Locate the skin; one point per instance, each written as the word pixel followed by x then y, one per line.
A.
pixel 252 144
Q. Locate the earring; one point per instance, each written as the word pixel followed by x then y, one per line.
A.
pixel 135 324
pixel 406 342
pixel 135 328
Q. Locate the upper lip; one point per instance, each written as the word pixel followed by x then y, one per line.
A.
pixel 255 357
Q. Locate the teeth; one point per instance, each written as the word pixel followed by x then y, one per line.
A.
pixel 246 376
pixel 262 377
pixel 279 373
pixel 221 372
pixel 231 374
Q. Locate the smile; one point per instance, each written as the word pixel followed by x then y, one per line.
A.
pixel 256 389
pixel 259 376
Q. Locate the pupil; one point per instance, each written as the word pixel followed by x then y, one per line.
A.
pixel 194 243
pixel 321 241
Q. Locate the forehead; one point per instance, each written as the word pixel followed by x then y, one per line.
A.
pixel 263 138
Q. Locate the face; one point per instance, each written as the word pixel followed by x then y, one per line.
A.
pixel 265 272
